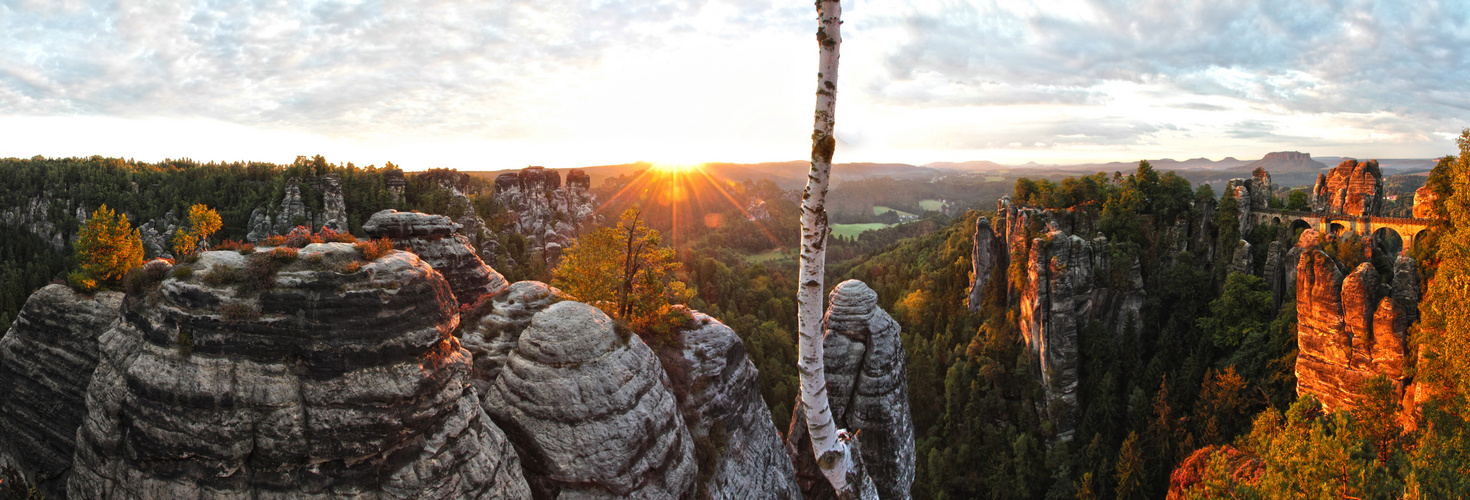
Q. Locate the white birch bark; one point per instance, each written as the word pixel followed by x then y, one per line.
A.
pixel 832 447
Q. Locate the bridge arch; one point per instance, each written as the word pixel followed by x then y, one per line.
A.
pixel 1387 240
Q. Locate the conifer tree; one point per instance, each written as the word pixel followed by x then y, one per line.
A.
pixel 108 246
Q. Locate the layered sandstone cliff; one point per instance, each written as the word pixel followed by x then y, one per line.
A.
pixel 46 362
pixel 292 210
pixel 722 405
pixel 590 410
pixel 543 210
pixel 330 381
pixel 1348 331
pixel 1351 188
pixel 987 256
pixel 436 240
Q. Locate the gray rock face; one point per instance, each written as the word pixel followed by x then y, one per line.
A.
pixel 590 411
pixel 157 235
pixel 1061 294
pixel 984 259
pixel 723 403
pixel 1241 261
pixel 1275 278
pixel 867 387
pixel 334 205
pixel 397 225
pixel 536 200
pixel 336 385
pixel 293 212
pixel 46 362
pixel 432 238
pixel 260 226
pixel 491 339
pixel 34 217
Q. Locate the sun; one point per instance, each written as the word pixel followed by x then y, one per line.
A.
pixel 675 167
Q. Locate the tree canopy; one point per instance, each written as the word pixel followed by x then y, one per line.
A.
pixel 108 246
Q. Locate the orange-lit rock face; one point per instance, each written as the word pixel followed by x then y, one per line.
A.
pixel 1350 188
pixel 1346 332
pixel 1424 202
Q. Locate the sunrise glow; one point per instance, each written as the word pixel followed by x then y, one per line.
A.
pixel 676 167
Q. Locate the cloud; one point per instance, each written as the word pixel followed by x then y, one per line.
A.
pixel 344 68
pixel 1358 56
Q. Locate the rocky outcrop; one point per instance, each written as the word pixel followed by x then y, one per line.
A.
pixel 35 218
pixel 433 238
pixel 722 405
pixel 1424 199
pixel 334 205
pixel 1351 188
pixel 292 211
pixel 987 256
pixel 1346 331
pixel 542 209
pixel 493 336
pixel 157 235
pixel 394 181
pixel 868 391
pixel 46 362
pixel 328 383
pixel 1187 479
pixel 1060 296
pixel 757 211
pixel 1251 195
pixel 1240 262
pixel 590 411
pixel 1070 281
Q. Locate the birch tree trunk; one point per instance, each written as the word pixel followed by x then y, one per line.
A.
pixel 834 449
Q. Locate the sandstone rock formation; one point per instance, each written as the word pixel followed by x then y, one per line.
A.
pixel 1350 188
pixel 537 200
pixel 1241 261
pixel 987 256
pixel 1060 295
pixel 1061 291
pixel 868 391
pixel 590 411
pixel 1424 198
pixel 35 218
pixel 722 404
pixel 1184 481
pixel 433 238
pixel 394 181
pixel 46 362
pixel 292 211
pixel 327 384
pixel 157 235
pixel 1346 331
pixel 491 338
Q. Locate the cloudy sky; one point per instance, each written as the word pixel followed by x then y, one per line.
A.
pixel 491 84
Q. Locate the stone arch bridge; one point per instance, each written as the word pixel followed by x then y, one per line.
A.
pixel 1407 229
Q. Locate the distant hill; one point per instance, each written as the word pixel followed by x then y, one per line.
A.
pixel 787 174
pixel 1285 162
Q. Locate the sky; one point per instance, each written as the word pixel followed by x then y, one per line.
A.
pixel 497 84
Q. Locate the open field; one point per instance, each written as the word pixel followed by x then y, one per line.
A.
pixel 878 210
pixel 852 230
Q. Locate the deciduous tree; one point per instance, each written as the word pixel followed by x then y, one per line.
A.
pixel 626 271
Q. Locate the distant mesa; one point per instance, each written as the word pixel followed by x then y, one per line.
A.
pixel 1286 162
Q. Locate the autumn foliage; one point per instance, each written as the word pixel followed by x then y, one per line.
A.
pixel 107 248
pixel 625 271
pixel 202 222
